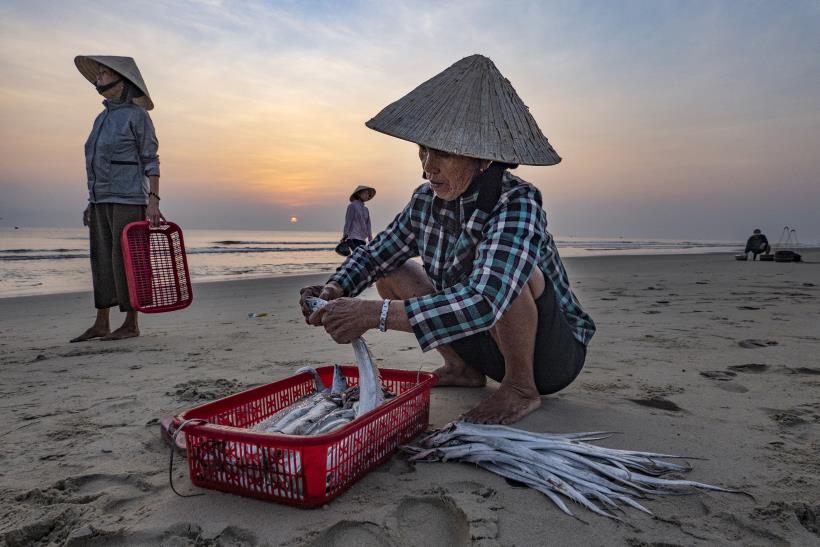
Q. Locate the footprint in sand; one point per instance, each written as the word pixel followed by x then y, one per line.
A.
pixel 658 402
pixel 808 516
pixel 752 343
pixel 187 533
pixel 733 388
pixel 348 532
pixel 750 367
pixel 786 418
pixel 205 390
pixel 803 370
pixel 432 522
pixel 723 375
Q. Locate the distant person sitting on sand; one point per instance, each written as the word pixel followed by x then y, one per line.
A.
pixel 123 183
pixel 357 229
pixel 491 293
pixel 757 244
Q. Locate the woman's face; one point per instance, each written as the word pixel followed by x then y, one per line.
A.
pixel 104 77
pixel 449 175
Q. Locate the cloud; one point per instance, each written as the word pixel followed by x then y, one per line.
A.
pixel 261 105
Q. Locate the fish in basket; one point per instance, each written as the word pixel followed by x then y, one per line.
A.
pixel 300 442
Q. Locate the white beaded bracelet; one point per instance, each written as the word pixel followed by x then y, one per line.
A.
pixel 383 316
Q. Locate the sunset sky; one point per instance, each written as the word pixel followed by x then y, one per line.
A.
pixel 688 120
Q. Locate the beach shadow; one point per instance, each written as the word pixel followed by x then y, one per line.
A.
pixel 658 402
pixel 750 367
pixel 752 343
pixel 722 375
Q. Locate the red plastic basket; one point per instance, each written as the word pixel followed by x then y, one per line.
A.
pixel 305 471
pixel 156 267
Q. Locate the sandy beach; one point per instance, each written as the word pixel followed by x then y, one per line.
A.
pixel 698 355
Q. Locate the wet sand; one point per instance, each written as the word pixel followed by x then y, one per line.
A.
pixel 697 355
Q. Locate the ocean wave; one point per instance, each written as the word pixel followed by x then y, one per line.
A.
pixel 225 250
pixel 19 257
pixel 615 245
pixel 50 253
pixel 9 251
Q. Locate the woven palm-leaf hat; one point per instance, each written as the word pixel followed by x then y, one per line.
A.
pixel 469 109
pixel 371 192
pixel 125 66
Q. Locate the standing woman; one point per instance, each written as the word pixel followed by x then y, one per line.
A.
pixel 123 183
pixel 357 229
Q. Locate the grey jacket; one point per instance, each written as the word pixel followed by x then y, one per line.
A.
pixel 120 154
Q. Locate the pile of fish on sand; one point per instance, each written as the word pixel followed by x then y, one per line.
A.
pixel 555 464
pixel 328 409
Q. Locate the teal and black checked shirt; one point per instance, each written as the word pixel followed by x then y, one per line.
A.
pixel 478 262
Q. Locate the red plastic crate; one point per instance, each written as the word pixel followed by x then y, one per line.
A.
pixel 156 267
pixel 305 471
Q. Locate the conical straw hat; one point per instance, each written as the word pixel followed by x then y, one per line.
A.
pixel 470 109
pixel 126 66
pixel 361 187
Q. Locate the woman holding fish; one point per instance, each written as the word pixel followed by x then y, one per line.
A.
pixel 491 293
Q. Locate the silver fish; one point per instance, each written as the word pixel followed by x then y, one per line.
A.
pixel 370 390
pixel 345 414
pixel 304 422
pixel 317 380
pixel 339 381
pixel 598 478
pixel 284 415
pixel 370 383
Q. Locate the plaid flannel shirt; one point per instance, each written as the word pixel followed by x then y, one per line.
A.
pixel 477 262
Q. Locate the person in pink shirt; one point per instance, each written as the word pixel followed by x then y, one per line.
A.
pixel 357 229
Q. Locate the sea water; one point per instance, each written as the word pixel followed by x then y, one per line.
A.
pixel 53 260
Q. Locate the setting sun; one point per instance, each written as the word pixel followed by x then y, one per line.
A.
pixel 294 220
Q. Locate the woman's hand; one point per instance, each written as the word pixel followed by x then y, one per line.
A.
pixel 328 292
pixel 152 214
pixel 87 215
pixel 348 318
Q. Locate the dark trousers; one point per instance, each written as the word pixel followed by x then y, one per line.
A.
pixel 757 250
pixel 107 271
pixel 355 243
pixel 559 356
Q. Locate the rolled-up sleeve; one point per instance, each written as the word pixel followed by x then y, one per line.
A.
pixel 504 261
pixel 147 144
pixel 389 250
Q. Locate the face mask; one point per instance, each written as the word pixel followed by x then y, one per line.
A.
pixel 103 88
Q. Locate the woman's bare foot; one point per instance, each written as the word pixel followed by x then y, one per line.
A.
pixel 122 333
pixel 506 406
pixel 91 333
pixel 456 374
